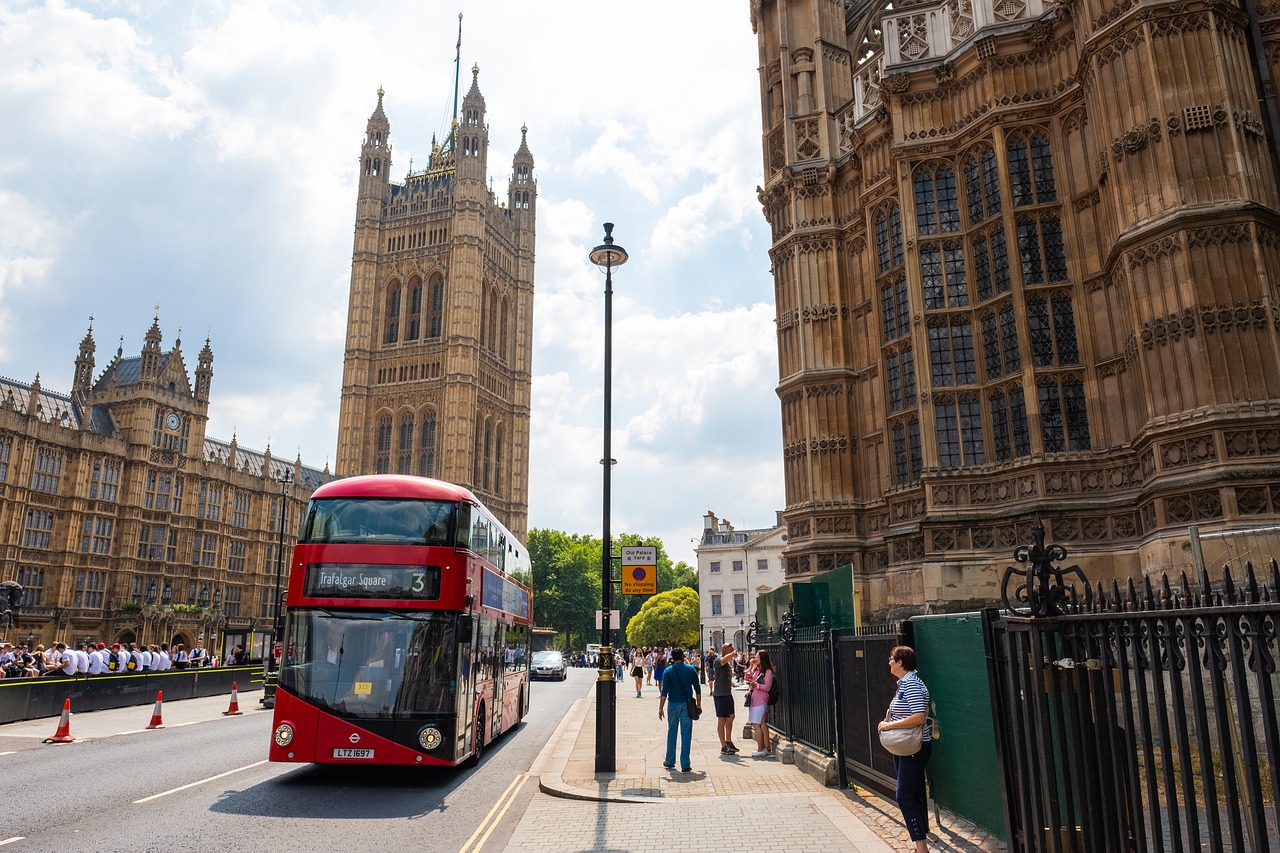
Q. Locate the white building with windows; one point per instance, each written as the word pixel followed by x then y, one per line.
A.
pixel 735 566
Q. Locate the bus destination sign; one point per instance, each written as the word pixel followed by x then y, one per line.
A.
pixel 365 580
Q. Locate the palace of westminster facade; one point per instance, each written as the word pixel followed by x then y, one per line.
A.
pixel 122 520
pixel 1027 261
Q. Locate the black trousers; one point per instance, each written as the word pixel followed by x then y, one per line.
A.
pixel 911 796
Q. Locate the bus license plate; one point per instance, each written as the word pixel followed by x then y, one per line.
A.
pixel 353 753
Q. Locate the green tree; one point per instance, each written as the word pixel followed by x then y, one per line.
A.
pixel 566 582
pixel 666 619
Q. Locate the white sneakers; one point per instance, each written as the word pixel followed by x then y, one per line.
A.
pixel 760 753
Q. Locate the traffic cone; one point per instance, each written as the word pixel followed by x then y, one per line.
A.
pixel 233 710
pixel 63 734
pixel 156 722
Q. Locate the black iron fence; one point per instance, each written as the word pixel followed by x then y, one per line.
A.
pixel 1143 719
pixel 806 697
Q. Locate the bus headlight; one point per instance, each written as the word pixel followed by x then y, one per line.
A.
pixel 283 734
pixel 429 738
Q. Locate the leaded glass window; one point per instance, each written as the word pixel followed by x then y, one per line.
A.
pixel 405 455
pixel 944 412
pixel 1041 333
pixel 1077 414
pixel 982 269
pixel 991 181
pixel 931 276
pixel 1031 169
pixel 962 347
pixel 901 374
pixel 1064 330
pixel 951 356
pixel 436 320
pixel 1000 261
pixel 972 441
pixel 1009 338
pixel 1041 250
pixel 991 347
pixel 937 204
pixel 957 285
pixel 893 374
pixel 973 191
pixel 393 313
pixel 427 447
pixel 384 445
pixel 415 312
pixel 1000 426
pixel 1018 421
pixel 1064 419
pixel 883 252
pixel 907 459
pixel 982 185
pixel 896 309
pixel 908 378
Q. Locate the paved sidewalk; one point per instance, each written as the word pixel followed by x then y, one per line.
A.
pixel 644 807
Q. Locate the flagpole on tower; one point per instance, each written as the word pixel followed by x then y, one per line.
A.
pixel 457 69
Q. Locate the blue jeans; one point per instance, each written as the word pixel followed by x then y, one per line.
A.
pixel 678 715
pixel 911 796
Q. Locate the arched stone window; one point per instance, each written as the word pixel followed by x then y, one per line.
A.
pixel 504 328
pixel 405 455
pixel 937 202
pixel 435 320
pixel 392 317
pixel 982 184
pixel 888 229
pixel 427 445
pixel 415 310
pixel 383 456
pixel 1031 168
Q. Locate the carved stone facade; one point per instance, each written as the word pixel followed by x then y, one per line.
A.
pixel 437 373
pixel 1011 281
pixel 123 521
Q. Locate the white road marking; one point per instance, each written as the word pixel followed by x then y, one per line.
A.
pixel 10 752
pixel 201 782
pixel 11 840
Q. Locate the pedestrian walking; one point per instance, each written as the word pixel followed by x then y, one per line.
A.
pixel 722 695
pixel 637 670
pixel 910 708
pixel 679 690
pixel 760 678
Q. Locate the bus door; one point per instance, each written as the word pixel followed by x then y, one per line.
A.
pixel 468 664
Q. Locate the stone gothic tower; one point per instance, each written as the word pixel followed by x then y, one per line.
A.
pixel 436 379
pixel 1027 261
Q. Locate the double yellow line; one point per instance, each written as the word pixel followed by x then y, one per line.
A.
pixel 478 838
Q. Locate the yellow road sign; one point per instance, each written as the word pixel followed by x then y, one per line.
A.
pixel 639 570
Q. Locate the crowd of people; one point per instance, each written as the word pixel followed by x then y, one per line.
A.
pixel 28 660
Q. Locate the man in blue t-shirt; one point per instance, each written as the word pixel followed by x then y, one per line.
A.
pixel 679 689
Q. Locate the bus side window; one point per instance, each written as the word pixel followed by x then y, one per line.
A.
pixel 464 526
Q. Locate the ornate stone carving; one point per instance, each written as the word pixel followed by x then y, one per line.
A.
pixel 898 83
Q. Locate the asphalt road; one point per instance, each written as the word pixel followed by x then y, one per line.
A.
pixel 203 783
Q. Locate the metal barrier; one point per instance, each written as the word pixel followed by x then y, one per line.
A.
pixel 807 695
pixel 34 698
pixel 1142 720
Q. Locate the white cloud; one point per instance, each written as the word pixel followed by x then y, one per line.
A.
pixel 203 157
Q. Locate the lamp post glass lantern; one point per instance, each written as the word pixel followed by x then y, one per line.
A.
pixel 607 256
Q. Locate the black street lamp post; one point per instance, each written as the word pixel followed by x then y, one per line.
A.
pixel 276 629
pixel 607 256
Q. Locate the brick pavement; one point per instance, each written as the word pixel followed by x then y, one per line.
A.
pixel 643 806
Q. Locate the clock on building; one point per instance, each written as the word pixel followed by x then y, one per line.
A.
pixel 171 420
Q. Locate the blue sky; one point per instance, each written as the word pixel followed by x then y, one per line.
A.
pixel 203 157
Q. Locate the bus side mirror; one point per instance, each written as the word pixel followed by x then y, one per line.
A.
pixel 465 629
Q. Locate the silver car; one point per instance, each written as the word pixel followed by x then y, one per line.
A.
pixel 549 664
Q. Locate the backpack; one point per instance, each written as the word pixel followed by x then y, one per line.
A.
pixel 774 691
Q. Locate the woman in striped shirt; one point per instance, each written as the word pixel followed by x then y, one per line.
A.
pixel 910 708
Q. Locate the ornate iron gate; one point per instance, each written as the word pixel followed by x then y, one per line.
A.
pixel 1138 720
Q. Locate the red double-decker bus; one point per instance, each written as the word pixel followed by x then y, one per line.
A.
pixel 408 627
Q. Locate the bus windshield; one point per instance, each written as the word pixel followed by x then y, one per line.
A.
pixel 387 521
pixel 372 664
